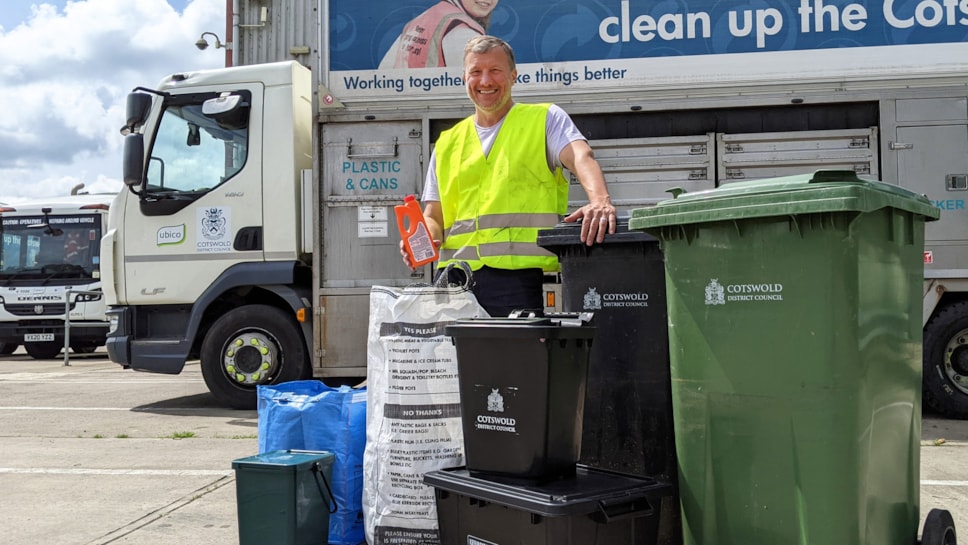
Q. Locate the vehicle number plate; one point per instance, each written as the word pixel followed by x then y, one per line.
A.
pixel 38 337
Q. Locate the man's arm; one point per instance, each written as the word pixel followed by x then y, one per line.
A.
pixel 434 216
pixel 598 216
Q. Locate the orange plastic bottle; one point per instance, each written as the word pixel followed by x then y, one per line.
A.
pixel 413 230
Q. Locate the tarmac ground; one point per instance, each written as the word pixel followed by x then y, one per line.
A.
pixel 93 454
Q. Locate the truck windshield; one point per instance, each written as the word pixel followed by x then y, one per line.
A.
pixel 193 152
pixel 65 247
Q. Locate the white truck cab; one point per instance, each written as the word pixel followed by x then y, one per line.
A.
pixel 50 272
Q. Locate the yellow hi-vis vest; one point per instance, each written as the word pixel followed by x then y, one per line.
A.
pixel 494 206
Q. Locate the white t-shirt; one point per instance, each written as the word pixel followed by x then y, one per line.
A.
pixel 560 131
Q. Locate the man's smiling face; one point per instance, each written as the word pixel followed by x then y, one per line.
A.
pixel 489 78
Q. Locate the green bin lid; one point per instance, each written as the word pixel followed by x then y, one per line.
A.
pixel 285 460
pixel 821 191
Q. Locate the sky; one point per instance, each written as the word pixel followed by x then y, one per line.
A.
pixel 65 70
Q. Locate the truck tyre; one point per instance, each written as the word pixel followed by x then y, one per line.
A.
pixel 945 381
pixel 46 350
pixel 939 528
pixel 8 348
pixel 249 346
pixel 84 347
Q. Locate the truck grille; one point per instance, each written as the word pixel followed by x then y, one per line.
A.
pixel 45 309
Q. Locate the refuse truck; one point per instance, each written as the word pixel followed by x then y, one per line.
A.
pixel 257 212
pixel 50 273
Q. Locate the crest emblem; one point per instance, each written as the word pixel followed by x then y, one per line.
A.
pixel 715 293
pixel 592 300
pixel 495 401
pixel 213 223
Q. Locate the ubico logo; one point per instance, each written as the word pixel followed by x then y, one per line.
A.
pixel 174 234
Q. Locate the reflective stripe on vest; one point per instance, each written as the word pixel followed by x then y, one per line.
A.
pixel 494 206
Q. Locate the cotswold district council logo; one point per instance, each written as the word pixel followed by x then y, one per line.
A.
pixel 213 224
pixel 714 293
pixel 592 300
pixel 495 401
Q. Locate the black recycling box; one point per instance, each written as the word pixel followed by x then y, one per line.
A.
pixel 593 507
pixel 628 410
pixel 628 424
pixel 522 391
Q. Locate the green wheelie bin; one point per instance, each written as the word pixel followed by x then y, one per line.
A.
pixel 794 310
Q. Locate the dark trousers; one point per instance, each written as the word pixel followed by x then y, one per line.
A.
pixel 502 291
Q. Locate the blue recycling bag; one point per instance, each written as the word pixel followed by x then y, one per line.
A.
pixel 309 415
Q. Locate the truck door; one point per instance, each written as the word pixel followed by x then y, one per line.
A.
pixel 202 193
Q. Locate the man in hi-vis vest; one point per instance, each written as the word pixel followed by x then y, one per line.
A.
pixel 494 180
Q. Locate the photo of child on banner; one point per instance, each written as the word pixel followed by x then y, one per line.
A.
pixel 436 37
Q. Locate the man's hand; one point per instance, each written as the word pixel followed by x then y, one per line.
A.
pixel 598 216
pixel 406 256
pixel 596 220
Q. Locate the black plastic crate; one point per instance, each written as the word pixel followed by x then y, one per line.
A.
pixel 594 507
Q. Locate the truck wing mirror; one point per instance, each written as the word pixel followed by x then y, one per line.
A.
pixel 136 111
pixel 134 159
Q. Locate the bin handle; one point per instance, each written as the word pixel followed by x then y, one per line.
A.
pixel 614 509
pixel 318 472
pixel 833 175
pixel 576 319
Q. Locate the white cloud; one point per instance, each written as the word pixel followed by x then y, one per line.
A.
pixel 64 75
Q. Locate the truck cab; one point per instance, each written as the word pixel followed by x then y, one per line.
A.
pixel 210 229
pixel 50 272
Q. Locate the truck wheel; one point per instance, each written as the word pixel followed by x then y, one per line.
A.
pixel 84 347
pixel 939 528
pixel 8 348
pixel 46 350
pixel 249 346
pixel 945 381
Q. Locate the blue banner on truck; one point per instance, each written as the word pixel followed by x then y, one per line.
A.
pixel 601 43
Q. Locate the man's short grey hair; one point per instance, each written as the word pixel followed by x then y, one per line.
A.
pixel 485 43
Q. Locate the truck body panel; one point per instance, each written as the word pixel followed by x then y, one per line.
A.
pixel 669 95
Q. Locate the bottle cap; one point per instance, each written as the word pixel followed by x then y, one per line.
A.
pixel 409 198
